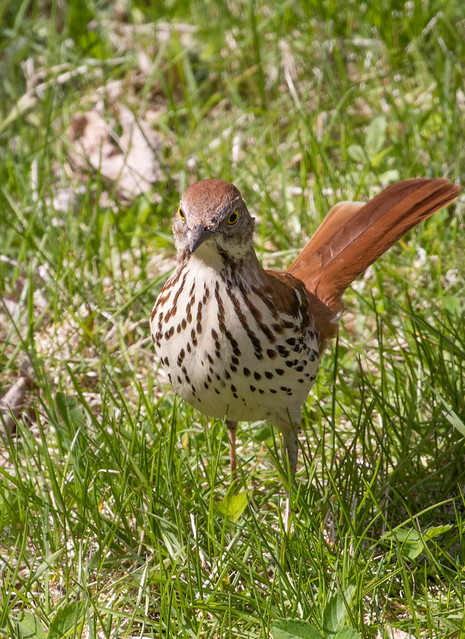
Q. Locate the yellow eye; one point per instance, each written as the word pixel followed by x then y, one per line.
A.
pixel 181 214
pixel 232 219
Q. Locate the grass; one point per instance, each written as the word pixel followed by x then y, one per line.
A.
pixel 117 515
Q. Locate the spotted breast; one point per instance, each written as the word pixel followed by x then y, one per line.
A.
pixel 227 347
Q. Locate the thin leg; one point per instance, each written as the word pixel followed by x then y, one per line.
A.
pixel 290 447
pixel 290 453
pixel 232 428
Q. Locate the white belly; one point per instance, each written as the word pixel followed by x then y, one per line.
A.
pixel 217 356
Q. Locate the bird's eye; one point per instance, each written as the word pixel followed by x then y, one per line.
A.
pixel 232 219
pixel 181 214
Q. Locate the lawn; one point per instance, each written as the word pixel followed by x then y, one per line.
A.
pixel 118 517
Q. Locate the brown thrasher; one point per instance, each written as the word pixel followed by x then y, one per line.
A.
pixel 244 344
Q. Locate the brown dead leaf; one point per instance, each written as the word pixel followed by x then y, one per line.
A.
pixel 129 160
pixel 13 402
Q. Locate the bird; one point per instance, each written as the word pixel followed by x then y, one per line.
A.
pixel 242 343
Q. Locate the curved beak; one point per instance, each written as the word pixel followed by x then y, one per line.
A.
pixel 198 235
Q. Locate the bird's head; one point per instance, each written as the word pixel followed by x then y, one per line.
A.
pixel 212 220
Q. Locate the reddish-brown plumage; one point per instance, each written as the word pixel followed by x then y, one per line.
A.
pixel 353 235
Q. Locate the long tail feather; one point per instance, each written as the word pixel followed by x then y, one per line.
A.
pixel 353 236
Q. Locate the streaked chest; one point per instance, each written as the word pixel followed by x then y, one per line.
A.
pixel 226 348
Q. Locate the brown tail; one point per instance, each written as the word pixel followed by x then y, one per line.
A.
pixel 354 235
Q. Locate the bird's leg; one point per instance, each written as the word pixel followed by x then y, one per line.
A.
pixel 290 447
pixel 232 428
pixel 290 453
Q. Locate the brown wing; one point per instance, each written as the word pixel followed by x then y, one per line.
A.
pixel 323 320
